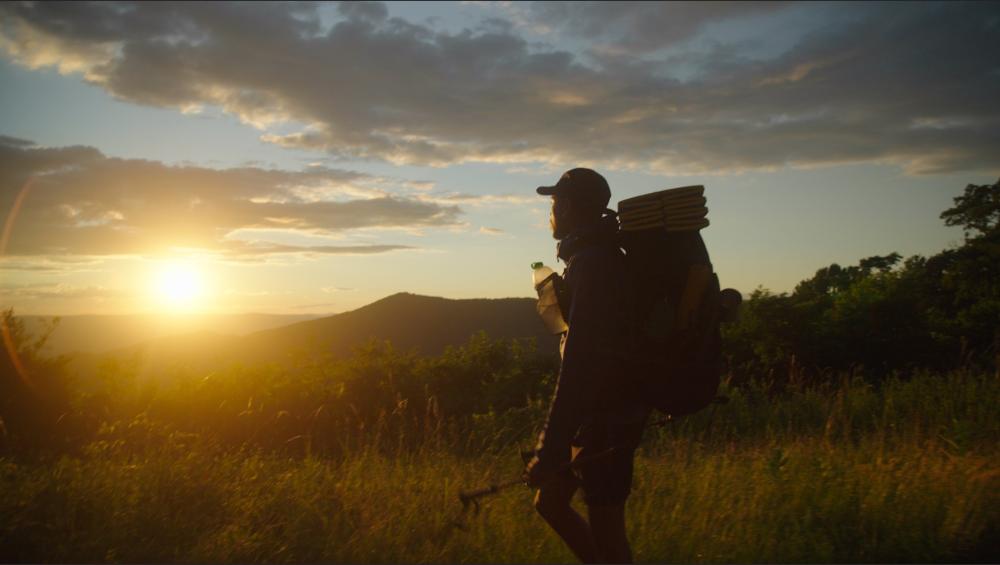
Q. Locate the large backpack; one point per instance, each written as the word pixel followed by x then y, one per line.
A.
pixel 677 304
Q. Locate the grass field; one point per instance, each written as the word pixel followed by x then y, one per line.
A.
pixel 850 473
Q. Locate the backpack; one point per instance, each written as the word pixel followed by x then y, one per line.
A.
pixel 677 307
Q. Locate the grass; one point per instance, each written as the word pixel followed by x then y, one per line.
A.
pixel 904 472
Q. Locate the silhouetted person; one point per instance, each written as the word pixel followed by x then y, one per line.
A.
pixel 592 409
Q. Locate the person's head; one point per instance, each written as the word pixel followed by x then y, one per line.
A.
pixel 578 200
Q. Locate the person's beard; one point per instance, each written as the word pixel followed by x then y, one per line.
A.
pixel 558 231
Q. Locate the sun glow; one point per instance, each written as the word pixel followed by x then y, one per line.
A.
pixel 178 286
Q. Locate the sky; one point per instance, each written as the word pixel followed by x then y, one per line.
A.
pixel 315 157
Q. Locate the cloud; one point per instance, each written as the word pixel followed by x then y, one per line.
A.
pixel 83 203
pixel 640 27
pixel 481 199
pixel 59 292
pixel 58 265
pixel 855 88
pixel 490 231
pixel 249 293
pixel 259 249
pixel 334 289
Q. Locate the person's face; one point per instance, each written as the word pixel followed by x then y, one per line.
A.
pixel 559 218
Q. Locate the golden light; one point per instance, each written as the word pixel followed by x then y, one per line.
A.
pixel 179 286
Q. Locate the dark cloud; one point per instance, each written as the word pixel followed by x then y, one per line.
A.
pixel 83 203
pixel 642 26
pixel 368 11
pixel 909 84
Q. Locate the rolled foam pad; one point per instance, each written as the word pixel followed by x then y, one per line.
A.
pixel 670 193
pixel 657 210
pixel 689 227
pixel 696 202
pixel 651 205
pixel 682 214
pixel 668 217
pixel 672 203
pixel 684 194
pixel 701 210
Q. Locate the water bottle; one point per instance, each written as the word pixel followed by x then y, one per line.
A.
pixel 544 280
pixel 539 272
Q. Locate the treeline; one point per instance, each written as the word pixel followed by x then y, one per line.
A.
pixel 882 316
pixel 377 397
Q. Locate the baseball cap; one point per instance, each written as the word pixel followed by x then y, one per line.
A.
pixel 583 183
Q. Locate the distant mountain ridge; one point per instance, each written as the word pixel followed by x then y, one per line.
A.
pixel 95 333
pixel 426 324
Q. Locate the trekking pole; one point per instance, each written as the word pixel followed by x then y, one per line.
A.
pixel 471 497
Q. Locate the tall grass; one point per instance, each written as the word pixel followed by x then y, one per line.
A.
pixel 907 471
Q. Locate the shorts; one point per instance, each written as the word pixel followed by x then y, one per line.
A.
pixel 607 480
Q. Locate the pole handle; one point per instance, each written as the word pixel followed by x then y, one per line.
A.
pixel 473 496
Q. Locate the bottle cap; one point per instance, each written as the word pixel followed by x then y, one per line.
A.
pixel 537 265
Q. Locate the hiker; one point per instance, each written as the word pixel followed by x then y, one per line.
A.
pixel 593 409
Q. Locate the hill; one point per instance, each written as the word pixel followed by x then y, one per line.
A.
pixel 426 324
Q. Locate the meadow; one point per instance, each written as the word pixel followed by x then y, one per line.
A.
pixel 847 471
pixel 862 426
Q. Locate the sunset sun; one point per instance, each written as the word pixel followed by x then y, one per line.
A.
pixel 178 286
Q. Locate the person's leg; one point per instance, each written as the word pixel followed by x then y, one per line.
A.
pixel 606 484
pixel 553 503
pixel 607 526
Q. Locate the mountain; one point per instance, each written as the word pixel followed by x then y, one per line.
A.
pixel 424 323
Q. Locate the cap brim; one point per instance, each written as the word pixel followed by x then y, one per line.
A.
pixel 546 190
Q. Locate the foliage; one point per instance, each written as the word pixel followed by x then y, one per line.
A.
pixel 377 396
pixel 977 210
pixel 853 473
pixel 885 314
pixel 34 390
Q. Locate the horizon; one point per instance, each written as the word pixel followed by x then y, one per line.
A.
pixel 222 159
pixel 204 314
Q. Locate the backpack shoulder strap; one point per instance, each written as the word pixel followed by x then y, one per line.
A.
pixel 699 276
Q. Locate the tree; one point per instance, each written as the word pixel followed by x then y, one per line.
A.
pixel 33 391
pixel 886 314
pixel 977 210
pixel 973 270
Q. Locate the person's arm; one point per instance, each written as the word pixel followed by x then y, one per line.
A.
pixel 585 359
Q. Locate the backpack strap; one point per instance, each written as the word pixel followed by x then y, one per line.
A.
pixel 698 277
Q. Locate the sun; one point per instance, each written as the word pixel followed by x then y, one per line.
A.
pixel 178 286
